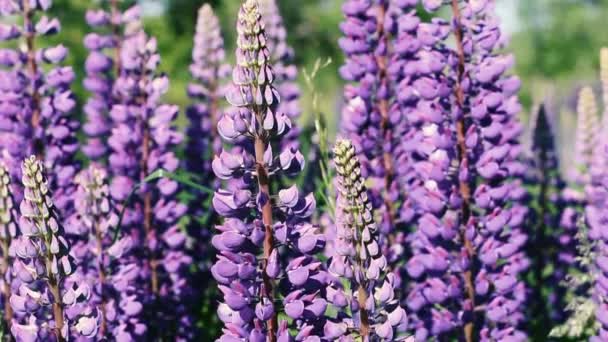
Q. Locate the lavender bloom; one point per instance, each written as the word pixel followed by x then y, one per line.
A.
pixel 258 222
pixel 373 118
pixel 358 261
pixel 595 217
pixel 285 72
pixel 464 151
pixel 599 157
pixel 44 267
pixel 439 260
pixel 102 69
pixel 106 265
pixel 545 178
pixel 142 138
pixel 209 73
pixel 8 232
pixel 37 106
pixel 586 135
pixel 489 176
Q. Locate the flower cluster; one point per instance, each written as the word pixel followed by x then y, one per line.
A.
pixel 595 217
pixel 8 232
pixel 209 73
pixel 142 139
pixel 104 261
pixel 587 133
pixel 374 116
pixel 38 104
pixel 46 302
pixel 369 291
pixel 544 177
pixel 266 244
pixel 493 210
pixel 285 72
pixel 103 66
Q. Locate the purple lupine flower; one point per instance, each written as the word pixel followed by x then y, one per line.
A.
pixel 544 176
pixel 285 72
pixel 102 68
pixel 587 134
pixel 37 105
pixel 493 214
pixel 439 261
pixel 257 221
pixel 595 218
pixel 44 267
pixel 141 141
pixel 210 74
pixel 362 281
pixel 573 196
pixel 104 264
pixel 8 232
pixel 373 118
pixel 598 154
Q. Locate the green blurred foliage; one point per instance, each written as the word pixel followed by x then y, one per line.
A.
pixel 558 43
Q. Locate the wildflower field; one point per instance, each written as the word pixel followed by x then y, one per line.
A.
pixel 402 185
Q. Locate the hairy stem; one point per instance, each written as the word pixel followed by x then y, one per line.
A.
pixel 102 276
pixel 464 186
pixel 32 67
pixel 383 107
pixel 8 310
pixel 260 145
pixel 115 13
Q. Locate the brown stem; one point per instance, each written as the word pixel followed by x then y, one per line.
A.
pixel 150 231
pixel 57 308
pixel 464 186
pixel 115 13
pixel 8 310
pixel 365 326
pixel 260 146
pixel 102 276
pixel 214 116
pixel 32 66
pixel 383 107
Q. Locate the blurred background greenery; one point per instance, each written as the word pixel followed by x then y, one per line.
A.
pixel 556 44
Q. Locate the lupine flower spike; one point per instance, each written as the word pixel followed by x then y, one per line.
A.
pixel 103 67
pixel 545 178
pixel 142 140
pixel 596 217
pixel 8 232
pixel 285 72
pixel 363 283
pixel 44 266
pixel 210 75
pixel 486 107
pixel 373 116
pixel 587 130
pixel 266 244
pixel 106 265
pixel 39 104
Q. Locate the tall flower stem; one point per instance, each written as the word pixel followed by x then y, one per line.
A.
pixel 9 230
pixel 464 186
pixel 383 107
pixel 28 24
pixel 115 13
pixel 102 274
pixel 264 188
pixel 149 230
